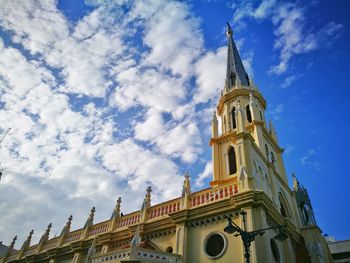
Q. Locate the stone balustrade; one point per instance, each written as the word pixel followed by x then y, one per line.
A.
pixel 164 208
pixel 208 195
pixel 73 236
pixel 129 219
pixel 99 228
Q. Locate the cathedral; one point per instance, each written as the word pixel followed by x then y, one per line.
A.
pixel 247 214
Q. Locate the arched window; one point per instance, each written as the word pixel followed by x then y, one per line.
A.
pixel 273 159
pixel 232 160
pixel 169 250
pixel 249 115
pixel 267 152
pixel 283 205
pixel 233 118
pixel 224 128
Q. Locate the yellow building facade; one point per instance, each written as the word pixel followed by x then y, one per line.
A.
pixel 249 186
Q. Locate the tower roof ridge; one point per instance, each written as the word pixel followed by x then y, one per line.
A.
pixel 235 71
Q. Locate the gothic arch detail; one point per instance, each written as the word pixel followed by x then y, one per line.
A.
pixel 233 116
pixel 248 112
pixel 232 162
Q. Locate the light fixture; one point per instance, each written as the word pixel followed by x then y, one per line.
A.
pixel 281 235
pixel 230 229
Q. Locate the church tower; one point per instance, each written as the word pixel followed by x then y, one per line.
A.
pixel 246 151
pixel 245 147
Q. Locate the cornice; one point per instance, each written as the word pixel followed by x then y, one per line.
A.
pixel 239 92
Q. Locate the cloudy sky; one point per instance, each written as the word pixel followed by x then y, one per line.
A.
pixel 104 98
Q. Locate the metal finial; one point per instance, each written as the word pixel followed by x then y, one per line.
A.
pixel 149 189
pixel 187 175
pixel 229 31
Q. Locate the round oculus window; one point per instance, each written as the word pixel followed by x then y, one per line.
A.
pixel 275 251
pixel 215 245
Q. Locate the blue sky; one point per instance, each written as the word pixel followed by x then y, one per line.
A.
pixel 106 99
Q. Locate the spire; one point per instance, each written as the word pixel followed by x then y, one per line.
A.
pixel 235 73
pixel 26 243
pixel 44 238
pixel 186 192
pixel 296 184
pixel 90 220
pixel 9 250
pixel 66 228
pixel 116 211
pixel 146 203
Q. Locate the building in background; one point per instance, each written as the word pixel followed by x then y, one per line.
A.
pixel 340 250
pixel 248 175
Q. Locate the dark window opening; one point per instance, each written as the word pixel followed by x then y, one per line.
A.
pixel 214 245
pixel 283 211
pixel 267 153
pixel 233 78
pixel 232 160
pixel 275 252
pixel 233 118
pixel 272 158
pixel 169 250
pixel 249 115
pixel 261 117
pixel 224 128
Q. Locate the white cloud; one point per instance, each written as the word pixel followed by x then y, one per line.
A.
pixel 210 71
pixel 290 80
pixel 292 36
pixel 68 87
pixel 205 174
pixel 275 112
pixel 306 160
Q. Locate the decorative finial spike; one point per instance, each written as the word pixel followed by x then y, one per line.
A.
pixel 149 189
pixel 229 31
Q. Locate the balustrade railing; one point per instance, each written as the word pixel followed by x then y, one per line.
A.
pixel 51 243
pixel 164 208
pixel 209 195
pixel 30 250
pixel 129 219
pixel 99 228
pixel 73 236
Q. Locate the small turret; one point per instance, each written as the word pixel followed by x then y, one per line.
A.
pixel 186 191
pixel 90 221
pixel 214 126
pixel 303 203
pixel 9 250
pixel 116 213
pixel 66 228
pixel 26 244
pixel 273 132
pixel 44 237
pixel 146 204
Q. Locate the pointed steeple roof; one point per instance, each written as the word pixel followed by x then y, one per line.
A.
pixel 235 72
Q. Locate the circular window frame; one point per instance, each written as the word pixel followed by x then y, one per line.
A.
pixel 223 249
